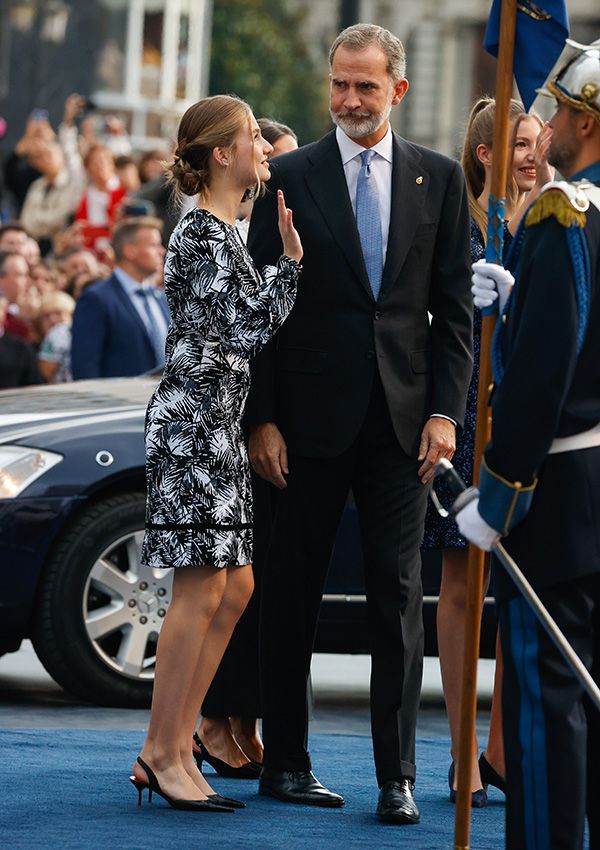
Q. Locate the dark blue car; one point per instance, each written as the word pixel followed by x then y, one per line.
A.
pixel 71 525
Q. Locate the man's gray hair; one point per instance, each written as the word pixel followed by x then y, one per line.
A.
pixel 126 230
pixel 359 36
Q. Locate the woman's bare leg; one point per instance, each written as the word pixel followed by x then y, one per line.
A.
pixel 196 598
pixel 246 733
pixel 238 590
pixel 216 733
pixel 494 752
pixel 451 614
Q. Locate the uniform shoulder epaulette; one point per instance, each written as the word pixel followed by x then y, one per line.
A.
pixel 565 202
pixel 592 192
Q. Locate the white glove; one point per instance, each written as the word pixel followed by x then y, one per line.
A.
pixel 473 526
pixel 490 281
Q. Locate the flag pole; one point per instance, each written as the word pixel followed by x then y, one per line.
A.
pixel 476 562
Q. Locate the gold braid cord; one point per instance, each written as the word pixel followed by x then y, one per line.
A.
pixel 555 203
pixel 559 94
pixel 533 11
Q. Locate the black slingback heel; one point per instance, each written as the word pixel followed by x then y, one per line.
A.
pixel 153 786
pixel 246 771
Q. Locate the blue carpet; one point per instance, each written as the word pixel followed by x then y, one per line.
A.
pixel 68 789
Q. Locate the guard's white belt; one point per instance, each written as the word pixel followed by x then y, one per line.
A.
pixel 584 440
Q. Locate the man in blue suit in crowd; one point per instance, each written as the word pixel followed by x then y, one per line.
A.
pixel 120 324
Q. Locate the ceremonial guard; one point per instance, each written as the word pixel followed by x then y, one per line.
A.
pixel 540 477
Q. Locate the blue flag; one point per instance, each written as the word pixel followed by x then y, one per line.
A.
pixel 539 41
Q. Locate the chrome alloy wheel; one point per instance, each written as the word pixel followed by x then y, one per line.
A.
pixel 124 605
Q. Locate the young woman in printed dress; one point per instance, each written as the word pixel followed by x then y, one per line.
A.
pixel 199 502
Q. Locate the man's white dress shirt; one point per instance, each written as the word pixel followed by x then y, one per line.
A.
pixel 131 286
pixel 381 172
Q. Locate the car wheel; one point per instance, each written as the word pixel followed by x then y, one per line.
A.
pixel 99 612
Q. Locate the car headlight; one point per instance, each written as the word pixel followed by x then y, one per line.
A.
pixel 20 466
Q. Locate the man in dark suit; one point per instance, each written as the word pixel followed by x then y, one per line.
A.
pixel 120 324
pixel 359 391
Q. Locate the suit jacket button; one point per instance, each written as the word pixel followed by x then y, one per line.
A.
pixel 370 355
pixel 377 314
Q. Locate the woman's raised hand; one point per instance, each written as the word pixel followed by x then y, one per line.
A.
pixel 292 246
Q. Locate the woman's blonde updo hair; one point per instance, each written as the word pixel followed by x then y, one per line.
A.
pixel 480 131
pixel 213 122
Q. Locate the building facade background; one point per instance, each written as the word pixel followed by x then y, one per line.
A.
pixel 142 60
pixel 147 60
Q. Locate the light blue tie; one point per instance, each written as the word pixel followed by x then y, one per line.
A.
pixel 368 221
pixel 156 335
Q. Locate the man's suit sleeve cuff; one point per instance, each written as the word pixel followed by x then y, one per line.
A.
pixel 443 416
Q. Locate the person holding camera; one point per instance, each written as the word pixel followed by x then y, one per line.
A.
pixel 52 199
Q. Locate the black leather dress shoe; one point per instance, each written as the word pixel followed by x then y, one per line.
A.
pixel 296 787
pixel 396 802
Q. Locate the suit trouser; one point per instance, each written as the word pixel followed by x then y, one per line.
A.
pixel 551 731
pixel 391 504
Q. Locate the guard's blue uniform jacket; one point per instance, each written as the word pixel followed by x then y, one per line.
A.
pixel 549 507
pixel 550 387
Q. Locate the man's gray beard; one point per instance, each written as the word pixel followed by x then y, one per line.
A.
pixel 562 158
pixel 359 129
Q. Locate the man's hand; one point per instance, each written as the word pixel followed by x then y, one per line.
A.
pixel 437 440
pixel 268 454
pixel 473 526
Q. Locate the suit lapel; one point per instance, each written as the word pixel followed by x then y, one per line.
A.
pixel 409 189
pixel 327 184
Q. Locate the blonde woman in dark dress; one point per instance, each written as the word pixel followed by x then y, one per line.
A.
pixel 199 503
pixel 528 171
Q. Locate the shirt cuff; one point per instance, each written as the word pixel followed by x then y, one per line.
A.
pixel 443 416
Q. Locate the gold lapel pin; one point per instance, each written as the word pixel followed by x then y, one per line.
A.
pixel 419 180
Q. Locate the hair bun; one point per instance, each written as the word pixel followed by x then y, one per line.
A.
pixel 189 180
pixel 213 122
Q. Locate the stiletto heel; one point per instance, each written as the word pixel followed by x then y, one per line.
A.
pixel 139 787
pixel 188 805
pixel 246 771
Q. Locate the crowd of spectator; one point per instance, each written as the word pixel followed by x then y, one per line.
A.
pixel 70 196
pixel 84 221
